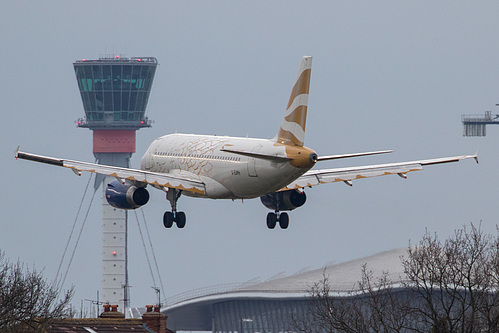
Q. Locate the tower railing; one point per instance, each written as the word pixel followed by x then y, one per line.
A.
pixel 121 124
pixel 474 124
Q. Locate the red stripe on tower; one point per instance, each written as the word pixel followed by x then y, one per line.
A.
pixel 114 141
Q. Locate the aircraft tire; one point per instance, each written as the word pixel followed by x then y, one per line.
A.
pixel 180 219
pixel 168 219
pixel 284 220
pixel 271 220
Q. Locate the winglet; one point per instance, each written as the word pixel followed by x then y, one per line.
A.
pixel 16 152
pixel 476 157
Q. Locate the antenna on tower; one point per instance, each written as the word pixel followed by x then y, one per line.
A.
pixel 158 291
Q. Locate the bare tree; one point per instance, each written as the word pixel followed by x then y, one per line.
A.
pixel 449 286
pixel 456 281
pixel 27 301
pixel 373 305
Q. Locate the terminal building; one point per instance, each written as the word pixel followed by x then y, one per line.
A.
pixel 270 306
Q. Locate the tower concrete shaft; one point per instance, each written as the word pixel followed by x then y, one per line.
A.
pixel 115 286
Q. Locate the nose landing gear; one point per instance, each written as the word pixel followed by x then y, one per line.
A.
pixel 170 217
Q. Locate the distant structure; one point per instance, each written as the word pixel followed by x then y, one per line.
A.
pixel 114 91
pixel 270 306
pixel 474 124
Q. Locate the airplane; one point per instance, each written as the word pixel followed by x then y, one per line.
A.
pixel 220 167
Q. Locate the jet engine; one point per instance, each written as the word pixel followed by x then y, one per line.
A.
pixel 126 196
pixel 284 200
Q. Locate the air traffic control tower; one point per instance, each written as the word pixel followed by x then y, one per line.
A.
pixel 114 91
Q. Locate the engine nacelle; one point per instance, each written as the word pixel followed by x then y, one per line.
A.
pixel 126 196
pixel 284 200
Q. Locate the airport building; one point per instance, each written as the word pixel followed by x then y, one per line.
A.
pixel 270 306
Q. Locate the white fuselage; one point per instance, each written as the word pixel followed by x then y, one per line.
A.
pixel 227 175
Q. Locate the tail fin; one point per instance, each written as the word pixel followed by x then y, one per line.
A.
pixel 292 131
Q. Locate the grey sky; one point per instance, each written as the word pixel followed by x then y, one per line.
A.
pixel 386 75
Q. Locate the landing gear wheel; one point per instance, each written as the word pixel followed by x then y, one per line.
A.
pixel 180 219
pixel 168 219
pixel 172 195
pixel 284 220
pixel 271 220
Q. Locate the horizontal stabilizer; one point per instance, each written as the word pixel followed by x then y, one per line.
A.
pixel 257 155
pixel 335 157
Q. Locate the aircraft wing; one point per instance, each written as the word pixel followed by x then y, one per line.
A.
pixel 347 175
pixel 184 182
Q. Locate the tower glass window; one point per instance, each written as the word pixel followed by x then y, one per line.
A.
pixel 115 90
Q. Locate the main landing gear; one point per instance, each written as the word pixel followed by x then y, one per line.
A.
pixel 273 218
pixel 170 217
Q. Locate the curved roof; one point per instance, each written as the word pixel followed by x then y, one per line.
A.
pixel 342 277
pixel 194 311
